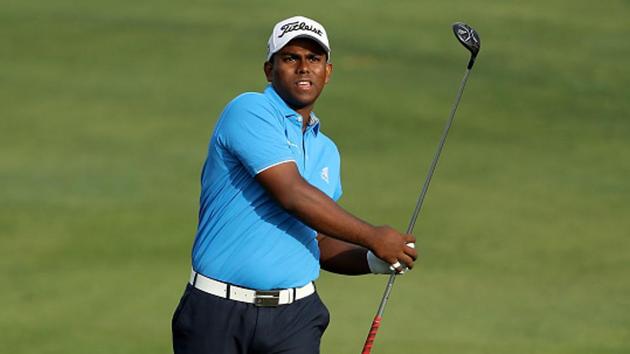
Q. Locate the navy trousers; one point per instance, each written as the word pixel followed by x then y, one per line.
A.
pixel 208 324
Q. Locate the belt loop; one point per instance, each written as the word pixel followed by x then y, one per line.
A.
pixel 195 279
pixel 227 291
pixel 294 294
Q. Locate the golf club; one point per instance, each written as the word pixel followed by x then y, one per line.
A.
pixel 469 38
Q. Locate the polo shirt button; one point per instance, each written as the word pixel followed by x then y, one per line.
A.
pixel 299 119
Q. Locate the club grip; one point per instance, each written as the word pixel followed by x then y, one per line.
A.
pixel 367 347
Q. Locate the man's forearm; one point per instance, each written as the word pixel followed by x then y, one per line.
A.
pixel 322 213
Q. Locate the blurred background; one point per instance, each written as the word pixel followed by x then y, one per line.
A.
pixel 106 108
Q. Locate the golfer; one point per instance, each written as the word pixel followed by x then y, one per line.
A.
pixel 268 217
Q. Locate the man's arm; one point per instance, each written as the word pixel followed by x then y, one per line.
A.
pixel 317 210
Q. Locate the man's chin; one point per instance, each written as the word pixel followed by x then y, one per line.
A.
pixel 300 101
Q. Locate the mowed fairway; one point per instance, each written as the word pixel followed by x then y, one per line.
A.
pixel 106 108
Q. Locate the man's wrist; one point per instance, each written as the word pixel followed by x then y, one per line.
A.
pixel 372 238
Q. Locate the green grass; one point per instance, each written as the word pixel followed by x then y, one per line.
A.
pixel 105 113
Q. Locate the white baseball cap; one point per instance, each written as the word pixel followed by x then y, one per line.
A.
pixel 296 27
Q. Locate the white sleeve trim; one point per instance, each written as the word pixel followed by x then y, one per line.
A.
pixel 273 165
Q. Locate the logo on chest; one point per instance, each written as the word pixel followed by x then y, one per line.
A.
pixel 324 174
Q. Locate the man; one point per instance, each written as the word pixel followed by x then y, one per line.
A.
pixel 268 217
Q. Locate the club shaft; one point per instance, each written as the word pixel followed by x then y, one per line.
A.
pixel 367 347
pixel 436 157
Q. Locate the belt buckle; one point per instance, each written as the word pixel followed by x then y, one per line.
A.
pixel 269 298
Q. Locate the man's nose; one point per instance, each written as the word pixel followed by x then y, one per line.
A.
pixel 302 67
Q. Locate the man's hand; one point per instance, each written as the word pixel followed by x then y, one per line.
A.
pixel 378 266
pixel 393 248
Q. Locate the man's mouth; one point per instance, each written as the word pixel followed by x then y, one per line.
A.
pixel 304 84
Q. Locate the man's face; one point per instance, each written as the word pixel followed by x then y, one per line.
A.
pixel 298 72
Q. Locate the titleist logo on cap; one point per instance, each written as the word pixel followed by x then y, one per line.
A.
pixel 298 26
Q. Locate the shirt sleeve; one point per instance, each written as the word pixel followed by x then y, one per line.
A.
pixel 252 131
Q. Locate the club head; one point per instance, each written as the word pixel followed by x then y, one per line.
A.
pixel 469 38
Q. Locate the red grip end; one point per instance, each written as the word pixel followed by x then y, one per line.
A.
pixel 367 347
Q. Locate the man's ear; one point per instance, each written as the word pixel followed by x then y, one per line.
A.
pixel 268 68
pixel 329 69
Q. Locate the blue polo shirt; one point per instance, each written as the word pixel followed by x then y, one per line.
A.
pixel 244 237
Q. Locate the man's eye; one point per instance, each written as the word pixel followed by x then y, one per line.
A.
pixel 289 59
pixel 315 59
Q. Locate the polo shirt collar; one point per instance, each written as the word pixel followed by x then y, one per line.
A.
pixel 288 112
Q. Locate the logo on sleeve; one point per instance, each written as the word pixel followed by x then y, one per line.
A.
pixel 324 174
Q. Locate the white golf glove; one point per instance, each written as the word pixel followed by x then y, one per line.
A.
pixel 378 266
